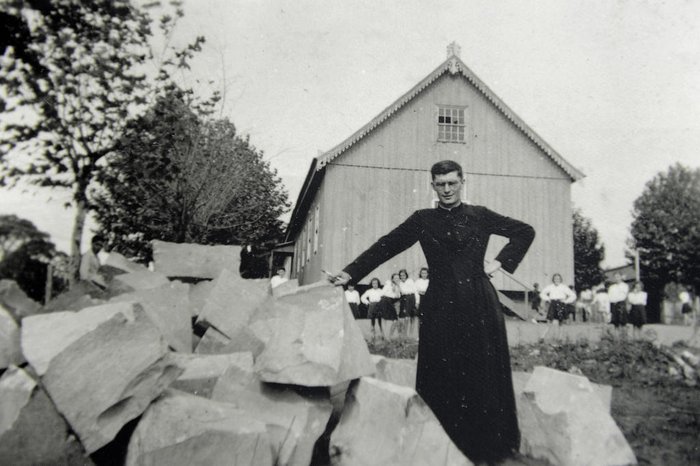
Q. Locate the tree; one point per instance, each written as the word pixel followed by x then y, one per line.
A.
pixel 71 80
pixel 181 177
pixel 666 227
pixel 27 253
pixel 589 252
pixel 15 232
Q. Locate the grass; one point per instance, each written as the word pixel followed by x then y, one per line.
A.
pixel 653 404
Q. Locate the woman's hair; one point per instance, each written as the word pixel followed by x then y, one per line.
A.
pixel 379 284
pixel 557 275
pixel 422 269
pixel 404 271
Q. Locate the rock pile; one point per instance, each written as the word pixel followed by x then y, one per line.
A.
pixel 283 379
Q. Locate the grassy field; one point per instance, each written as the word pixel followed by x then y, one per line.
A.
pixel 655 406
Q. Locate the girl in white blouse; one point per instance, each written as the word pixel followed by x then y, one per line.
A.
pixel 558 296
pixel 638 313
pixel 372 299
pixel 407 304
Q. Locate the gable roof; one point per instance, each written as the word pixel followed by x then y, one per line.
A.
pixel 452 65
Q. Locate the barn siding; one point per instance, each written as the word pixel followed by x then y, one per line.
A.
pixel 384 177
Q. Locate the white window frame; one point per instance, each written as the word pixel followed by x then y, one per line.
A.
pixel 447 130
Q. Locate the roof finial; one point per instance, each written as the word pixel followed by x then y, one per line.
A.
pixel 454 50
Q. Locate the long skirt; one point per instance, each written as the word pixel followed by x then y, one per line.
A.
pixel 557 310
pixel 374 310
pixel 390 308
pixel 464 371
pixel 407 306
pixel 618 314
pixel 638 315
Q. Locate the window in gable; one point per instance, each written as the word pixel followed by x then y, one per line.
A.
pixel 451 124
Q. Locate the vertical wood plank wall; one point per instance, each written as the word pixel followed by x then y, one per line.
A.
pixel 383 178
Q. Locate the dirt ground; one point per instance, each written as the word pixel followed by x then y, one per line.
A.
pixel 654 405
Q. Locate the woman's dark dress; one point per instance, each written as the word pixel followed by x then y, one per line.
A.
pixel 464 372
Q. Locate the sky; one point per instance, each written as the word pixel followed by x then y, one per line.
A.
pixel 613 86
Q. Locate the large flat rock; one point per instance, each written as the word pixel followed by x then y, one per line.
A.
pixel 311 339
pixel 10 350
pixel 397 371
pixel 187 430
pixel 101 366
pixel 199 292
pixel 563 420
pixel 201 372
pixel 194 260
pixel 135 281
pixel 31 430
pixel 168 307
pixel 16 301
pixel 119 262
pixel 215 342
pixel 231 302
pixel 81 295
pixel 388 424
pixel 294 422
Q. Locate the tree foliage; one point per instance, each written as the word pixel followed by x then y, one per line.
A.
pixel 181 177
pixel 26 255
pixel 71 80
pixel 15 232
pixel 589 252
pixel 666 226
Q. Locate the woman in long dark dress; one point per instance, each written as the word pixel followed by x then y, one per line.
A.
pixel 464 372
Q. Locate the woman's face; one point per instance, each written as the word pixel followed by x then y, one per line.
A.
pixel 423 274
pixel 403 276
pixel 556 280
pixel 375 284
pixel 395 278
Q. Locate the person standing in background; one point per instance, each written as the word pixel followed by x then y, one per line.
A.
pixel 585 304
pixel 638 313
pixel 558 296
pixel 686 300
pixel 89 270
pixel 408 302
pixel 353 299
pixel 372 298
pixel 279 277
pixel 391 296
pixel 617 292
pixel 601 302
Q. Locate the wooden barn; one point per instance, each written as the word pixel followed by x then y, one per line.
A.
pixel 374 179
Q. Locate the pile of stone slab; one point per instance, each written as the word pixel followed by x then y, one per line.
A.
pixel 191 364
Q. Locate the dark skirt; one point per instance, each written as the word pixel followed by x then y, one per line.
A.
pixel 464 371
pixel 355 308
pixel 638 315
pixel 618 314
pixel 557 310
pixel 407 306
pixel 374 310
pixel 389 308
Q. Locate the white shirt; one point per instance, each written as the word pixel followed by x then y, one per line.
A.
pixel 407 287
pixel 352 296
pixel 684 297
pixel 602 300
pixel 618 292
pixel 586 295
pixel 422 285
pixel 390 291
pixel 372 295
pixel 89 267
pixel 638 298
pixel 277 281
pixel 558 292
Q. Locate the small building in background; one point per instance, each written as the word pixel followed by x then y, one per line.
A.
pixel 373 180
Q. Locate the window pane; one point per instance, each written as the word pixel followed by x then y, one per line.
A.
pixel 441 119
pixel 448 119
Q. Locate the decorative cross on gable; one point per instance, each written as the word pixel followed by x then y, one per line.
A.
pixel 453 53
